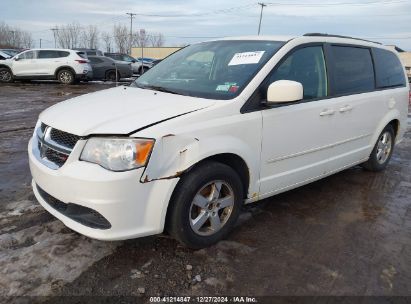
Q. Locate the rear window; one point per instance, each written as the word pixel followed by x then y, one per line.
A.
pixel 82 55
pixel 352 70
pixel 388 69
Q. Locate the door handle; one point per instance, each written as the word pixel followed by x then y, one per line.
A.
pixel 345 108
pixel 326 112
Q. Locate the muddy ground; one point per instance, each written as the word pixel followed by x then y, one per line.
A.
pixel 348 234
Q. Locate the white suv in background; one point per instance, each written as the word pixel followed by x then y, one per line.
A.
pixel 66 66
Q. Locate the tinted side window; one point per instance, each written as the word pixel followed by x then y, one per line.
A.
pixel 307 66
pixel 63 54
pixel 91 53
pixel 27 55
pixel 48 54
pixel 388 69
pixel 95 60
pixel 352 70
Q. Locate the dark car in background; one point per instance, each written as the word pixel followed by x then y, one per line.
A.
pixel 4 55
pixel 11 52
pixel 105 68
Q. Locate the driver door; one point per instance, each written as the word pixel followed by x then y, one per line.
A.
pixel 297 136
pixel 26 65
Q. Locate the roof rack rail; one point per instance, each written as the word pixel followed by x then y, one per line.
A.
pixel 337 36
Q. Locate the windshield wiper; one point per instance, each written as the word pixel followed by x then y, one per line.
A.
pixel 160 89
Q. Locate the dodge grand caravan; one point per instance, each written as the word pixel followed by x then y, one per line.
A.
pixel 216 125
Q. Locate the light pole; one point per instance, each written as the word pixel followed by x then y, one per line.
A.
pixel 261 15
pixel 131 30
pixel 55 29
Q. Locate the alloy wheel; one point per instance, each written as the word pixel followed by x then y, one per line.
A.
pixel 211 208
pixel 5 76
pixel 65 77
pixel 384 147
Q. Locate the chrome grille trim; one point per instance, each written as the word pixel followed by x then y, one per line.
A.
pixel 48 151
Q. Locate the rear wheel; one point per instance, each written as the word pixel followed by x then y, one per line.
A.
pixel 6 75
pixel 382 152
pixel 65 76
pixel 112 76
pixel 205 205
pixel 143 70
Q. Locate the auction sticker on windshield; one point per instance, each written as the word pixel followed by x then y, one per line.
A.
pixel 246 58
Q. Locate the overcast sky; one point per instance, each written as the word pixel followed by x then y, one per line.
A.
pixel 387 21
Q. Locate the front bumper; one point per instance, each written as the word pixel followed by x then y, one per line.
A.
pixel 132 208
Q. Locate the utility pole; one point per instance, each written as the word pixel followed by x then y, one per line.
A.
pixel 131 30
pixel 261 15
pixel 40 42
pixel 55 29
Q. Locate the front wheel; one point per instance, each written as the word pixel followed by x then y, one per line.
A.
pixel 65 77
pixel 382 152
pixel 6 75
pixel 205 205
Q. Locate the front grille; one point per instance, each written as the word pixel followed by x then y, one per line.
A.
pixel 54 146
pixel 55 157
pixel 43 127
pixel 83 215
pixel 63 138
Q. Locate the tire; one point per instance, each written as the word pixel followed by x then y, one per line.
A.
pixel 143 70
pixel 197 227
pixel 65 76
pixel 382 152
pixel 6 76
pixel 111 76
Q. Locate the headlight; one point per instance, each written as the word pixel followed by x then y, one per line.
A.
pixel 118 154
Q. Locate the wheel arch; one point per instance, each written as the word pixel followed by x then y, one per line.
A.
pixel 64 67
pixel 392 118
pixel 3 66
pixel 232 160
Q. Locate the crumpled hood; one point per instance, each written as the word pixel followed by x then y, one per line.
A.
pixel 118 110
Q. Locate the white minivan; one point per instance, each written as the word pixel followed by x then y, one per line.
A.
pixel 214 126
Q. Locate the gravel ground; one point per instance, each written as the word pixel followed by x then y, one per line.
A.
pixel 348 234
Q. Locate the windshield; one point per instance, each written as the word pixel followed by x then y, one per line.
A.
pixel 215 70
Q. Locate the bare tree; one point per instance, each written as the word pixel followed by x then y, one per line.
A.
pixel 107 40
pixel 156 39
pixel 68 36
pixel 141 39
pixel 121 38
pixel 89 37
pixel 13 37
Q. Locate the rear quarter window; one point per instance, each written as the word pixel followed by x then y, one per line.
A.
pixel 388 69
pixel 352 70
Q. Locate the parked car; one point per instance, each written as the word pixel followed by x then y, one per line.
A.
pixel 4 55
pixel 66 66
pixel 11 52
pixel 138 67
pixel 155 62
pixel 90 52
pixel 183 149
pixel 105 68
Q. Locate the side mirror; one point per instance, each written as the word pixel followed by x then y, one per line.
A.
pixel 284 91
pixel 133 61
pixel 17 58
